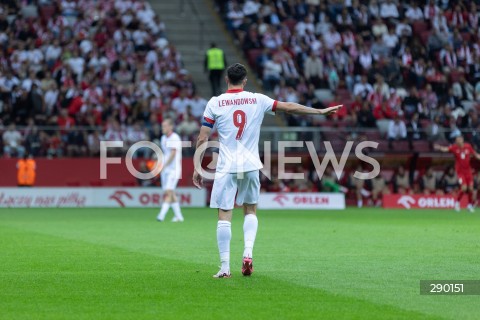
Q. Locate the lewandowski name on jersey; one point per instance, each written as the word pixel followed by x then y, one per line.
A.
pixel 236 102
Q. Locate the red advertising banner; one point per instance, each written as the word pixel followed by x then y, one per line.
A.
pixel 421 201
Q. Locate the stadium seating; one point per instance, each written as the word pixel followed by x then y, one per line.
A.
pixel 286 30
pixel 91 66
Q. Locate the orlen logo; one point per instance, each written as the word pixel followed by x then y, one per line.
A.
pixel 118 195
pixel 406 201
pixel 436 202
pixel 311 200
pixel 280 198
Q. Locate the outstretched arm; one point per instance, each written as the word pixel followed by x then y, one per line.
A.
pixel 202 138
pixel 295 108
pixel 440 148
pixel 477 155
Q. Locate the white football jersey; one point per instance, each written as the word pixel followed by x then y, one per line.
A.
pixel 169 143
pixel 238 116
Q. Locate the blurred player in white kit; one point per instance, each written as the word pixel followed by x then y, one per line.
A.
pixel 238 116
pixel 171 171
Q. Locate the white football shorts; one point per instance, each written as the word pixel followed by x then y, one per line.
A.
pixel 169 180
pixel 226 185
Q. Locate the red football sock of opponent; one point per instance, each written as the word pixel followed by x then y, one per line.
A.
pixel 460 196
pixel 470 197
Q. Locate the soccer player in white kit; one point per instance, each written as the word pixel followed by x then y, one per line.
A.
pixel 238 115
pixel 171 171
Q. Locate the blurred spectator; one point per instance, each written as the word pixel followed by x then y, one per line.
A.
pixel 50 98
pixel 401 181
pixel 76 144
pixel 181 102
pixel 383 111
pixel 463 90
pixel 379 28
pixel 397 130
pixel 429 182
pixel 359 186
pixel 388 9
pixel 33 143
pixel 188 126
pixel 331 38
pixel 414 130
pixel 449 181
pixel 471 120
pixel 12 142
pixel 390 39
pixel 379 189
pixel 197 106
pixel 54 145
pixel 272 73
pixel 403 28
pixel 451 99
pixel 412 104
pixel 314 69
pixel 93 143
pixel 115 133
pixel 379 50
pixel 363 88
pixel 7 83
pixel 136 134
pixel 414 12
pixel 430 100
pixel 332 77
pixel 365 117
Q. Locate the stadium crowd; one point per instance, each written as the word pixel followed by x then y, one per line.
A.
pixel 75 72
pixel 85 71
pixel 408 68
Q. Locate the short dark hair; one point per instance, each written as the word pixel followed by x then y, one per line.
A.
pixel 236 73
pixel 169 120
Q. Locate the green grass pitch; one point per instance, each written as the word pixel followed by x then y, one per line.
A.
pixel 122 264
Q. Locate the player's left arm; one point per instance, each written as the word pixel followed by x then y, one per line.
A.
pixel 475 153
pixel 295 108
pixel 202 139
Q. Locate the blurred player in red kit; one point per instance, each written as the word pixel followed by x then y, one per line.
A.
pixel 462 152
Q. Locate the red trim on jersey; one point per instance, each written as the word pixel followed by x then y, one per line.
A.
pixel 211 121
pixel 234 90
pixel 274 107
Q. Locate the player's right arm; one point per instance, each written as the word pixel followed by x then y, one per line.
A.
pixel 295 108
pixel 441 148
pixel 202 139
pixel 205 130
